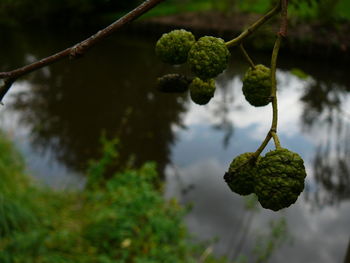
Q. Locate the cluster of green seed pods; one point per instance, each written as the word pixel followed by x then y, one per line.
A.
pixel 207 58
pixel 277 178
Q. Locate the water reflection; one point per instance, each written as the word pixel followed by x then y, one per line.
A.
pixel 218 212
pixel 325 104
pixel 69 107
pixel 66 107
pixel 222 109
pixel 332 172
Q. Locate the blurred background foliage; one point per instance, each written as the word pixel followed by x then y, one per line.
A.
pixel 124 219
pixel 82 12
pixel 14 12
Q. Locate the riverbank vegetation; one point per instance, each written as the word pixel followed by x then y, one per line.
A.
pixel 123 219
pixel 318 29
pixel 325 10
pixel 91 12
pixel 58 12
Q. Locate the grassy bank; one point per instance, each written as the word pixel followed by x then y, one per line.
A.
pixel 338 9
pixel 124 219
pixel 83 12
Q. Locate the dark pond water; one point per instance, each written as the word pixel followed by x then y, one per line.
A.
pixel 57 115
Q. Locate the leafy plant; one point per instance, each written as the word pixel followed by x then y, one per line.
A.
pixel 122 219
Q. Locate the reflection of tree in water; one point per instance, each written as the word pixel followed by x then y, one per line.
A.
pixel 324 101
pixel 267 242
pixel 222 109
pixel 68 109
pixel 228 92
pixel 333 173
pixel 331 161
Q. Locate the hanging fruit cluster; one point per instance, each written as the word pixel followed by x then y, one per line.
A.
pixel 276 178
pixel 207 58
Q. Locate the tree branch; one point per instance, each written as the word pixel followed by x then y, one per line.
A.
pixel 284 15
pixel 274 82
pixel 246 55
pixel 273 130
pixel 236 41
pixel 78 49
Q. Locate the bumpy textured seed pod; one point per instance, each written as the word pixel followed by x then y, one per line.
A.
pixel 173 47
pixel 257 85
pixel 202 91
pixel 241 174
pixel 208 57
pixel 173 83
pixel 280 180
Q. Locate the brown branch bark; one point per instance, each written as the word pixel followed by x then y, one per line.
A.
pixel 77 50
pixel 284 15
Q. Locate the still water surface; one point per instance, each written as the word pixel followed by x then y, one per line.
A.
pixel 57 115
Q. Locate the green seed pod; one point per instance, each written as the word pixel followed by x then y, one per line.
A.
pixel 173 47
pixel 173 83
pixel 202 91
pixel 280 180
pixel 208 57
pixel 241 174
pixel 257 85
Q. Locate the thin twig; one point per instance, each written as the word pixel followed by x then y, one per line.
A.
pixel 274 82
pixel 276 140
pixel 80 48
pixel 263 145
pixel 275 51
pixel 246 55
pixel 273 130
pixel 236 41
pixel 284 17
pixel 5 87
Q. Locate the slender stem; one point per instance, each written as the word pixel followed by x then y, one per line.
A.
pixel 80 48
pixel 276 140
pixel 274 83
pixel 236 41
pixel 263 145
pixel 245 53
pixel 273 130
